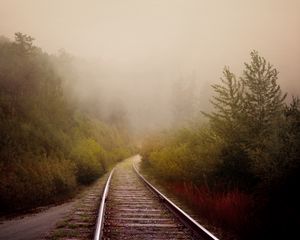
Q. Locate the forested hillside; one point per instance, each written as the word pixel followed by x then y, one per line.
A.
pixel 240 169
pixel 49 144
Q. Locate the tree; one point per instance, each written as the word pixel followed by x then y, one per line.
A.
pixel 247 113
pixel 227 123
pixel 228 104
pixel 282 148
pixel 263 99
pixel 24 42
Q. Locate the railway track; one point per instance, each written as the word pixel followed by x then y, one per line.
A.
pixel 132 208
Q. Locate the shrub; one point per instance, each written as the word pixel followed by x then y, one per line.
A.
pixel 34 182
pixel 86 154
pixel 232 210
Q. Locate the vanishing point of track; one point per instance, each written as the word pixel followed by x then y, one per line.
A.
pixel 131 208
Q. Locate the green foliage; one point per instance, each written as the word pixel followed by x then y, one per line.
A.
pixel 250 146
pixel 279 160
pixel 33 181
pixel 246 113
pixel 48 144
pixel 86 154
pixel 228 104
pixel 263 100
pixel 187 154
pixel 251 139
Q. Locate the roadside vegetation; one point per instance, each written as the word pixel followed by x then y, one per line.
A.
pixel 49 143
pixel 240 169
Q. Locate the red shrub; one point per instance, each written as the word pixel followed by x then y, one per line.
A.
pixel 232 210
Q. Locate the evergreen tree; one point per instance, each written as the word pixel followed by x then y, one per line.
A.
pixel 263 99
pixel 226 120
pixel 227 123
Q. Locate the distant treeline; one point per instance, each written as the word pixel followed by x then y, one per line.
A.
pixel 48 144
pixel 242 168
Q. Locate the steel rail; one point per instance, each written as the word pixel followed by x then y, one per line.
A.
pixel 183 216
pixel 100 219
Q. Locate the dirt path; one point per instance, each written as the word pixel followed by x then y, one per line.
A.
pixel 38 225
pixel 33 226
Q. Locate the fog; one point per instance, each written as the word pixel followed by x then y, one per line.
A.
pixel 134 53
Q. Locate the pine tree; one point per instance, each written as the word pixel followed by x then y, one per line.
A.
pixel 263 100
pixel 227 122
pixel 226 119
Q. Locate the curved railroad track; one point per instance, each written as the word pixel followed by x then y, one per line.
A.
pixel 131 208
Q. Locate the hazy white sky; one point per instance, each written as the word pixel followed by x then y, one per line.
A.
pixel 154 40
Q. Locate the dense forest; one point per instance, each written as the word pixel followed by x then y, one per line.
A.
pixel 240 169
pixel 49 144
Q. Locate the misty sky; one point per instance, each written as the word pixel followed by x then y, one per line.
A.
pixel 147 44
